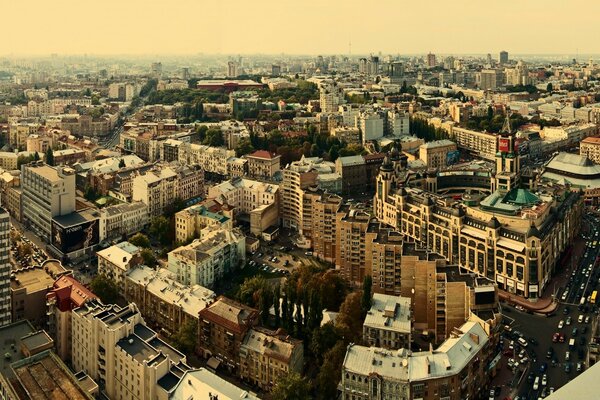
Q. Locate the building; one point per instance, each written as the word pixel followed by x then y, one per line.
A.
pixel 398 123
pixel 228 86
pixel 351 253
pixel 222 330
pixel 490 79
pixel 331 96
pixel 579 172
pixel 206 260
pixel 388 322
pixel 123 220
pixel 265 356
pixel 347 134
pixel 590 148
pixel 371 126
pixel 32 370
pixel 116 348
pixel 48 192
pixel 197 383
pixel 477 143
pixel 213 160
pixel 8 160
pixel 458 369
pixel 28 289
pixel 162 300
pixel 435 154
pixel 115 261
pixel 5 269
pixel 232 69
pixel 319 223
pixel 431 61
pixel 263 165
pixel 190 222
pixel 503 57
pixel 75 235
pixel 353 172
pixel 64 296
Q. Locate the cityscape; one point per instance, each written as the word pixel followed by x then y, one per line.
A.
pixel 306 210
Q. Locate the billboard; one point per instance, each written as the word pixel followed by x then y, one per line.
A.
pixel 504 145
pixel 452 157
pixel 75 237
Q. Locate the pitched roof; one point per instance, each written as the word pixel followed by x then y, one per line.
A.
pixel 263 154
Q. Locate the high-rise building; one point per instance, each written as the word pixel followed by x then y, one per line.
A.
pixel 275 69
pixel 185 73
pixel 331 97
pixel 5 303
pixel 232 69
pixel 490 79
pixel 431 61
pixel 156 69
pixel 48 192
pixel 503 57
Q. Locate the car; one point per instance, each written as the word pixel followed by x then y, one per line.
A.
pixel 510 363
pixel 544 380
pixel 567 367
pixel 561 323
pixel 580 318
pixel 579 367
pixel 582 286
pixel 561 337
pixel 574 332
pixel 566 310
pixel 520 307
pixel 536 383
pixel 550 353
pixel 568 321
pixel 492 395
pixel 587 319
pixel 567 355
pixel 308 253
pixel 580 354
pixel 543 367
pixel 530 377
pixel 555 337
pixel 584 330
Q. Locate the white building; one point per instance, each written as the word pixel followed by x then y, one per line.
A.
pixel 245 194
pixel 371 126
pixel 398 123
pixel 388 322
pixel 331 96
pixel 123 220
pixel 115 261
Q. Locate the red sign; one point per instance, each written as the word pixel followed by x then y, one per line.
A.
pixel 504 145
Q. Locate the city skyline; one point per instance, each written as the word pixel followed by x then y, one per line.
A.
pixel 182 27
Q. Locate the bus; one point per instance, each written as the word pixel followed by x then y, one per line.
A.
pixel 593 299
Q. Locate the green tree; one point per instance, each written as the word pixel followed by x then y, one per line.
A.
pixel 244 147
pixel 366 295
pixel 291 387
pixel 24 249
pixel 160 228
pixel 105 288
pixel 90 194
pixel 276 306
pixel 323 339
pixel 249 291
pixel 148 257
pixel 23 159
pixel 549 87
pixel 201 131
pixel 36 156
pixel 140 240
pixel 330 372
pixel 186 337
pixel 49 156
pixel 122 163
pixel 214 137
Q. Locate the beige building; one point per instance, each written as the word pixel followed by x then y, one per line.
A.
pixel 477 143
pixel 123 220
pixel 211 159
pixel 434 154
pixel 388 322
pixel 5 269
pixel 346 134
pixel 115 261
pixel 28 289
pixel 116 348
pixel 351 250
pixel 47 192
pixel 40 143
pixel 206 260
pixel 458 369
pixel 8 160
pixel 190 222
pixel 265 356
pixel 590 148
pixel 263 165
pixel 162 300
pixel 320 221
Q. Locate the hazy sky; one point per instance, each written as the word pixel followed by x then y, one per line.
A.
pixel 299 27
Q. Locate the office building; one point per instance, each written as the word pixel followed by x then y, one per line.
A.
pixel 371 125
pixel 435 154
pixel 503 57
pixel 266 356
pixel 347 134
pixel 490 79
pixel 222 330
pixel 431 61
pixel 5 269
pixel 48 192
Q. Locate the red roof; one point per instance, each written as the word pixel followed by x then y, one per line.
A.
pixel 262 154
pixel 70 293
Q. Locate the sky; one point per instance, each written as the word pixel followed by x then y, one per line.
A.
pixel 110 27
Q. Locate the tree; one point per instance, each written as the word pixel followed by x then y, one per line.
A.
pixel 15 236
pixel 122 163
pixel 366 295
pixel 36 156
pixel 22 159
pixel 160 229
pixel 214 137
pixel 291 387
pixel 140 240
pixel 105 288
pixel 331 372
pixel 244 147
pixel 323 338
pixel 148 257
pixel 276 306
pixel 185 338
pixel 24 250
pixel 265 300
pixel 50 156
pixel 250 291
pixel 90 194
pixel 549 87
pixel 349 321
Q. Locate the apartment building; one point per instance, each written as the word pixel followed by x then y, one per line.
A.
pixel 456 370
pixel 258 199
pixel 481 144
pixel 8 160
pixel 351 253
pixel 388 322
pixel 39 142
pixel 162 300
pixel 118 350
pixel 590 148
pixel 266 356
pixel 435 154
pixel 213 160
pixel 205 261
pixel 115 261
pixel 222 330
pixel 331 96
pixel 120 220
pixel 196 383
pixel 64 296
pixel 263 165
pixel 190 222
pixel 397 123
pixel 371 125
pixel 353 172
pixel 385 248
pixel 28 289
pixel 5 269
pixel 320 221
pixel 346 134
pixel 48 192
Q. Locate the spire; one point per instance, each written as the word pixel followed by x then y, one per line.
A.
pixel 506 128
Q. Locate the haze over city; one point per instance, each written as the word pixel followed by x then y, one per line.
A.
pixel 307 27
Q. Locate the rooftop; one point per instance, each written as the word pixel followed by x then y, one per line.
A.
pixel 229 313
pixel 264 155
pixel 34 278
pixel 199 383
pixel 120 254
pixel 390 313
pixel 270 344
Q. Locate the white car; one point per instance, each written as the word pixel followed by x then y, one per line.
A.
pixel 587 319
pixel 544 380
pixel 536 383
pixel 561 324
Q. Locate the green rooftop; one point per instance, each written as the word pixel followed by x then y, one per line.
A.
pixel 521 197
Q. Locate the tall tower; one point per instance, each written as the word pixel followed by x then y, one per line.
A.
pixel 503 57
pixel 508 163
pixel 5 302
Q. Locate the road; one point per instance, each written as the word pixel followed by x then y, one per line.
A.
pixel 581 283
